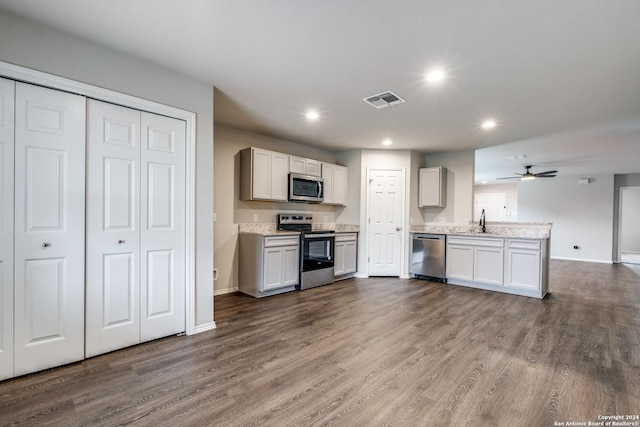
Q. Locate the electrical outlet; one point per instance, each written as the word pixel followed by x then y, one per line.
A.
pixel 255 217
pixel 214 217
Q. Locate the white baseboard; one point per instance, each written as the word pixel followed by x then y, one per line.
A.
pixel 224 291
pixel 599 261
pixel 361 276
pixel 204 327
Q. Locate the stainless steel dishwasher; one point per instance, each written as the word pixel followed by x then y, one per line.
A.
pixel 428 256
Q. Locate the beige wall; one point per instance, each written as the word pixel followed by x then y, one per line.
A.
pixel 460 179
pixel 28 44
pixel 231 211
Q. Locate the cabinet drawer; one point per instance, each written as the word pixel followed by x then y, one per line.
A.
pixel 494 242
pixel 346 237
pixel 274 241
pixel 524 244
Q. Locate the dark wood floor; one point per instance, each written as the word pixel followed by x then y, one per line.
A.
pixel 369 352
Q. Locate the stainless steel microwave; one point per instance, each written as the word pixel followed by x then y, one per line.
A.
pixel 305 188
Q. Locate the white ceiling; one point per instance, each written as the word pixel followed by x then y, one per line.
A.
pixel 559 77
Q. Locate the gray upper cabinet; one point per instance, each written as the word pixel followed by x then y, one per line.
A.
pixel 263 175
pixel 335 184
pixel 304 166
pixel 432 187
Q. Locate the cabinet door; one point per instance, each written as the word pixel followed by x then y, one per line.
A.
pixel 113 228
pixel 291 267
pixel 488 265
pixel 523 269
pixel 339 255
pixel 297 165
pixel 162 227
pixel 328 182
pixel 7 88
pixel 313 167
pixel 273 276
pixel 278 177
pixel 460 262
pixel 49 228
pixel 261 174
pixel 340 185
pixel 431 187
pixel 351 256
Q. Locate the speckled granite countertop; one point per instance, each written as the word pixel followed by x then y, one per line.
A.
pixel 268 229
pixel 507 229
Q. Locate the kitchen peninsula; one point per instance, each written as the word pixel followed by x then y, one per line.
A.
pixel 509 257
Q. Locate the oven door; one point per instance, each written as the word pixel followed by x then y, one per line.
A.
pixel 317 251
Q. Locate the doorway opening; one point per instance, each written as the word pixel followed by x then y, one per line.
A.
pixel 629 231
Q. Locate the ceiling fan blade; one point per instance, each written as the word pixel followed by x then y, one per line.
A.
pixel 511 177
pixel 545 173
pixel 545 176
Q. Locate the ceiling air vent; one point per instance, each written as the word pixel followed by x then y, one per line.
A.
pixel 383 100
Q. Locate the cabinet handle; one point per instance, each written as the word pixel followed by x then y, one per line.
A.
pixel 46 244
pixel 121 241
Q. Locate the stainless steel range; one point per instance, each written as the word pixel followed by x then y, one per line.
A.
pixel 316 250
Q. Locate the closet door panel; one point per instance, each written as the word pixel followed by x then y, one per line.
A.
pixel 113 228
pixel 49 228
pixel 163 227
pixel 7 89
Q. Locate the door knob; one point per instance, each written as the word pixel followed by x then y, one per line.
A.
pixel 46 244
pixel 398 228
pixel 121 241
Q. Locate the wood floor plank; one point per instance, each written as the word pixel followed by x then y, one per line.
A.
pixel 379 351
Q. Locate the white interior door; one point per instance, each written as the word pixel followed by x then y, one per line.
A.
pixel 49 228
pixel 494 205
pixel 7 88
pixel 386 223
pixel 113 227
pixel 163 208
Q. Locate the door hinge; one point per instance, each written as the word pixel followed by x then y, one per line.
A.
pixel 369 259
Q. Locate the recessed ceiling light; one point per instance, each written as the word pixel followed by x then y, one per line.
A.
pixel 489 124
pixel 435 76
pixel 517 157
pixel 484 182
pixel 312 115
pixel 387 142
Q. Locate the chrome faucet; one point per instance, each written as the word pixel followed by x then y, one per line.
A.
pixel 483 222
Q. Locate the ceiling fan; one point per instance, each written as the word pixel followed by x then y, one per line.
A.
pixel 528 175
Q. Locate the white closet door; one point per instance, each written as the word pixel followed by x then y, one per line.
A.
pixel 163 227
pixel 113 228
pixel 6 227
pixel 49 228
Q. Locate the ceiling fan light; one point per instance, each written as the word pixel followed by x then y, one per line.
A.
pixel 528 178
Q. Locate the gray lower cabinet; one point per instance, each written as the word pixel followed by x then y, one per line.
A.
pixel 346 255
pixel 479 260
pixel 269 265
pixel 526 266
pixel 511 265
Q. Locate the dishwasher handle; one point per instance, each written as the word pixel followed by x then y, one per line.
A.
pixel 428 238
